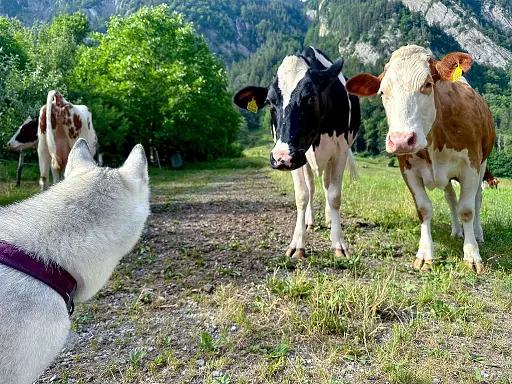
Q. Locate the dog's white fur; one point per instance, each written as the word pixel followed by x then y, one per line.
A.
pixel 84 224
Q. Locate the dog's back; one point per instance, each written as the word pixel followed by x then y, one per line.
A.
pixel 84 224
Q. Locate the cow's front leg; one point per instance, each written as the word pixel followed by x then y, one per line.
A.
pixel 310 184
pixel 297 248
pixel 451 199
pixel 339 245
pixel 466 210
pixel 44 163
pixel 425 254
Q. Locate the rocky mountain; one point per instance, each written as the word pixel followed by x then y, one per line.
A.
pixel 371 30
pixel 234 29
pixel 366 29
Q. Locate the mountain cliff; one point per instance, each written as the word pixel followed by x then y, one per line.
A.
pixel 372 29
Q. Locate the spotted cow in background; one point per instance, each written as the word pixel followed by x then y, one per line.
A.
pixel 490 180
pixel 314 122
pixel 440 129
pixel 61 124
pixel 25 137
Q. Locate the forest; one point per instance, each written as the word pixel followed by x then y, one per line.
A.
pixel 150 79
pixel 242 43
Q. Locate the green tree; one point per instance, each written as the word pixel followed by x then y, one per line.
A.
pixel 167 89
pixel 55 44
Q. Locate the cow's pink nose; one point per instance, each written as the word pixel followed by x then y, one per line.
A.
pixel 399 142
pixel 280 159
pixel 9 144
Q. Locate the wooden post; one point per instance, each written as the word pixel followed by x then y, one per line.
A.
pixel 157 159
pixel 20 168
pixel 100 159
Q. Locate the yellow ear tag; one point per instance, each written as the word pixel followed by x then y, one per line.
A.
pixel 252 106
pixel 457 74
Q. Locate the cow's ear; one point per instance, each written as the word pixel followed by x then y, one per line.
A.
pixel 326 77
pixel 364 85
pixel 79 158
pixel 251 98
pixel 135 167
pixel 446 68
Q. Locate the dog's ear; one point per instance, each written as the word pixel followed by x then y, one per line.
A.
pixel 136 165
pixel 79 158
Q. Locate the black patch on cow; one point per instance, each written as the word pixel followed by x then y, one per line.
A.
pixel 28 131
pixel 318 105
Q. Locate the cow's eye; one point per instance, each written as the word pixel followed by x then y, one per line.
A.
pixel 312 99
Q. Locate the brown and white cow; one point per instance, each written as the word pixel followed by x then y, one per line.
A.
pixel 440 129
pixel 61 124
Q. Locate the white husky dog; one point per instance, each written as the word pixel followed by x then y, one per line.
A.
pixel 84 224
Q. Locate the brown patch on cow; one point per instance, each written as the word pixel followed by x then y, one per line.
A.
pixel 58 100
pixel 77 122
pixel 336 202
pixel 405 163
pixel 463 122
pixel 42 119
pixel 466 215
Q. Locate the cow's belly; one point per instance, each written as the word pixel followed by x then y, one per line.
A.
pixel 443 166
pixel 329 148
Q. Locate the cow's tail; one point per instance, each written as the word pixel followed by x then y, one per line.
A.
pixel 50 139
pixel 351 162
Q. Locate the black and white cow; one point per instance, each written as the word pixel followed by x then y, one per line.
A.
pixel 314 122
pixel 26 135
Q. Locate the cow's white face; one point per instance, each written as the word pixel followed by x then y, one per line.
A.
pixel 297 98
pixel 408 98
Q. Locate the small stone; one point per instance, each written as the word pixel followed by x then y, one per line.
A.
pixel 233 328
pixel 208 288
pixel 200 362
pixel 436 381
pixel 150 349
pixel 54 377
pixel 216 373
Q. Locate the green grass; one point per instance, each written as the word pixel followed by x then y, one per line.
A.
pixel 326 320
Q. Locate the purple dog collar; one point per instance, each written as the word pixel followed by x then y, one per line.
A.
pixel 52 275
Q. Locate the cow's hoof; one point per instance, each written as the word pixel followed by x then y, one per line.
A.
pixel 422 265
pixel 477 267
pixel 299 254
pixel 427 266
pixel 417 264
pixel 310 227
pixel 296 254
pixel 339 252
pixel 480 240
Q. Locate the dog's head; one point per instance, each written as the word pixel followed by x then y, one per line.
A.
pixel 107 206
